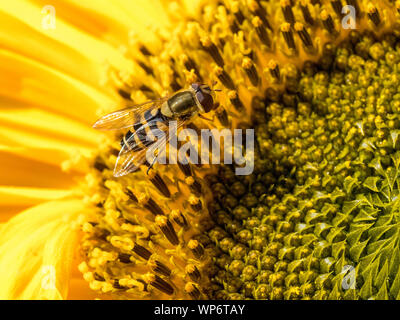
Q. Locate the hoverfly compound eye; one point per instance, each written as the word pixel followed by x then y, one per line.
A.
pixel 205 99
pixel 204 96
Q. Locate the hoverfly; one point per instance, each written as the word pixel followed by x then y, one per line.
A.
pixel 149 123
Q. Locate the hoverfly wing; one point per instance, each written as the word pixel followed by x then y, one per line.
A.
pixel 126 118
pixel 131 156
pixel 144 136
pixel 130 160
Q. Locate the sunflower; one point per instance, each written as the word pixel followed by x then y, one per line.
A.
pixel 318 217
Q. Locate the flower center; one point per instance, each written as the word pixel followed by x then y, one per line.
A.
pixel 326 164
pixel 323 198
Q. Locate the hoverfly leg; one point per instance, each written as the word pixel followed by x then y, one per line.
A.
pixel 151 165
pixel 205 118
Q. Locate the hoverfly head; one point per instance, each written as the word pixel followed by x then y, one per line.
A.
pixel 205 96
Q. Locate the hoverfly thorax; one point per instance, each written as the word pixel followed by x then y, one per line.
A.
pixel 204 96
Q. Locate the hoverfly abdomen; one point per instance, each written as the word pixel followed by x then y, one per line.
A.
pixel 146 132
pixel 125 138
pixel 153 115
pixel 138 142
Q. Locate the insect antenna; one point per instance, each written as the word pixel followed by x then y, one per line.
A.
pixel 212 86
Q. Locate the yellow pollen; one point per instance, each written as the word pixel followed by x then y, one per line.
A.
pixel 175 214
pixel 149 277
pixel 217 70
pixel 206 41
pixel 193 200
pixel 184 58
pixel 152 174
pixel 272 64
pixel 232 94
pixel 131 283
pixel 161 220
pixel 88 276
pixel 324 14
pixel 152 263
pixel 256 21
pixel 298 26
pixel 87 227
pixel 371 8
pixel 141 231
pixel 143 198
pixel 83 267
pixel 253 5
pixel 106 287
pixel 285 3
pixel 95 285
pixel 112 214
pixel 189 180
pixel 235 6
pixel 190 268
pixel 285 27
pixel 193 244
pixel 189 287
pixel 190 76
pixel 123 243
pixel 246 63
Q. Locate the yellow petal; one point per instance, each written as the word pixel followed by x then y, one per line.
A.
pixel 35 84
pixel 7 212
pixel 23 196
pixel 79 290
pixel 48 126
pixel 80 51
pixel 111 21
pixel 20 171
pixel 16 199
pixel 37 249
pixel 45 155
